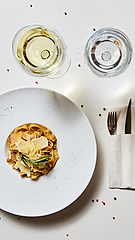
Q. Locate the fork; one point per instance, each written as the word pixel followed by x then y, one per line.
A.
pixel 112 122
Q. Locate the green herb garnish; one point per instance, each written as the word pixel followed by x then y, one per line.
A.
pixel 23 160
pixel 40 162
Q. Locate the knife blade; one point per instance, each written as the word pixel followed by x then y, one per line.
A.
pixel 128 119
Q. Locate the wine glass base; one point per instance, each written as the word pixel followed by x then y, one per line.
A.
pixel 63 69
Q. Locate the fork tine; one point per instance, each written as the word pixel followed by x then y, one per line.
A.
pixel 115 118
pixel 108 119
pixel 111 119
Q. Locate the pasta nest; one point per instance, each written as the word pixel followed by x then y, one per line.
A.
pixel 33 150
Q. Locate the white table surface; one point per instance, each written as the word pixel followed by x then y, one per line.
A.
pixel 84 219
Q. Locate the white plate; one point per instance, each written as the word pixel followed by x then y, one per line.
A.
pixel 77 150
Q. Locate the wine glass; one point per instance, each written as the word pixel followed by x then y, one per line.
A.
pixel 41 51
pixel 108 52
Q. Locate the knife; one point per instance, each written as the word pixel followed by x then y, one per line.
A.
pixel 128 119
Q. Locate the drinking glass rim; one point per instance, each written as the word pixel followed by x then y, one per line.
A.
pixel 32 27
pixel 105 30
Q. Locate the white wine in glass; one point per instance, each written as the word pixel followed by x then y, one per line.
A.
pixel 41 51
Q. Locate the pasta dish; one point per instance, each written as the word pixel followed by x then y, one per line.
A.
pixel 33 150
